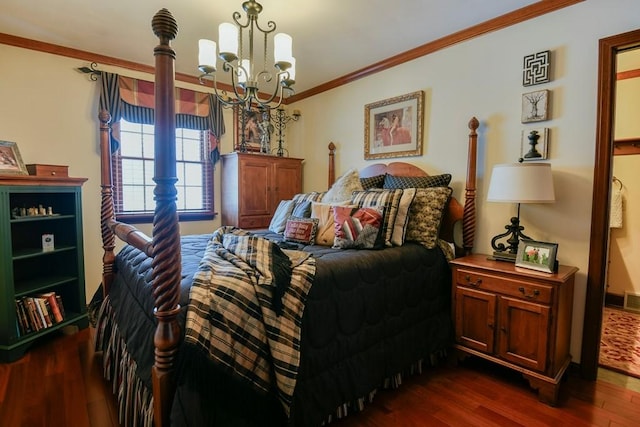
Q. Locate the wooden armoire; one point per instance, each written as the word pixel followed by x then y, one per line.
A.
pixel 254 184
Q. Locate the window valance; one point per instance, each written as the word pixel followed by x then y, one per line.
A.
pixel 134 100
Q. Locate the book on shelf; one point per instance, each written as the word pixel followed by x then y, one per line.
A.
pixel 60 306
pixel 21 317
pixel 46 319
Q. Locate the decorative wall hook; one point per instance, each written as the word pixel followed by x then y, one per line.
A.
pixel 92 70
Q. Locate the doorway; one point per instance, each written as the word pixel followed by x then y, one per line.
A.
pixel 599 242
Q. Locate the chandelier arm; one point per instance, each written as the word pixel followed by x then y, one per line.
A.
pixel 265 102
pixel 271 27
pixel 236 18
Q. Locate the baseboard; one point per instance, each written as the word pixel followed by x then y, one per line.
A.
pixel 613 300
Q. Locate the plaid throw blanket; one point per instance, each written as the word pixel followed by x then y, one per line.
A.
pixel 245 309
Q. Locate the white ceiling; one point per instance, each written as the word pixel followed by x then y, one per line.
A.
pixel 332 38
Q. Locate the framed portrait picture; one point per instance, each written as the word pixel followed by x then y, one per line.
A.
pixel 535 255
pixel 393 127
pixel 535 106
pixel 10 159
pixel 534 144
pixel 252 130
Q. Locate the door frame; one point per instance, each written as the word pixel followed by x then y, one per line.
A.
pixel 599 241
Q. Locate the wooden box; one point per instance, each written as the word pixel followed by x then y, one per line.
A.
pixel 48 170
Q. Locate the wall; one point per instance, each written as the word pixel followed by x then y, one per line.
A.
pixel 624 249
pixel 483 78
pixel 53 119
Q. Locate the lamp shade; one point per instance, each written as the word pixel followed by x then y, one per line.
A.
pixel 521 183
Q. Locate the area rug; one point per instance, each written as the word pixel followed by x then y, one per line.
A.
pixel 620 341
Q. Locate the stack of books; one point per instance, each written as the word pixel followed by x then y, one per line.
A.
pixel 39 311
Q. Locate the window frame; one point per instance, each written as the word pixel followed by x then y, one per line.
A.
pixel 208 213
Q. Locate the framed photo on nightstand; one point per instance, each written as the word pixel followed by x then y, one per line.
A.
pixel 535 255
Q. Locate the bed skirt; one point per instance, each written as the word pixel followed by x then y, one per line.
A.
pixel 135 400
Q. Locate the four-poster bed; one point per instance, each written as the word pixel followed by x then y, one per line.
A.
pixel 370 315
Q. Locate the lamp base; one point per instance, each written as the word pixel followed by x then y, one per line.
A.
pixel 503 256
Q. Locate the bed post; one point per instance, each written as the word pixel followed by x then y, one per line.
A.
pixel 106 204
pixel 469 215
pixel 166 233
pixel 332 164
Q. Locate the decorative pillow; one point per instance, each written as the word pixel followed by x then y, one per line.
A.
pixel 402 217
pixel 301 230
pixel 302 209
pixel 279 220
pixel 357 228
pixel 391 181
pixel 388 200
pixel 343 188
pixel 372 182
pixel 314 196
pixel 326 230
pixel 425 215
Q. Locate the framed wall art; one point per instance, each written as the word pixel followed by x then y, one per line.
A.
pixel 535 106
pixel 252 130
pixel 535 255
pixel 534 145
pixel 393 127
pixel 535 69
pixel 10 159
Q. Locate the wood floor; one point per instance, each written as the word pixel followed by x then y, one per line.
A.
pixel 58 383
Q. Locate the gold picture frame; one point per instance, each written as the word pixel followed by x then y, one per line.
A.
pixel 393 127
pixel 10 159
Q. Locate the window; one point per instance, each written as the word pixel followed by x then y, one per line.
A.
pixel 133 170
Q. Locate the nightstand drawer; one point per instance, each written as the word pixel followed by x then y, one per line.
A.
pixel 515 288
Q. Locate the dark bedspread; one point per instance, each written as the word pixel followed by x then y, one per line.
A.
pixel 369 316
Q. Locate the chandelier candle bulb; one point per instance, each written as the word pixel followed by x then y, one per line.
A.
pixel 228 39
pixel 207 55
pixel 282 51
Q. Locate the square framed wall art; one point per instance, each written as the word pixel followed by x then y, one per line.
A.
pixel 535 69
pixel 534 144
pixel 535 106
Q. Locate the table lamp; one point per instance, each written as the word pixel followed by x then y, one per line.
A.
pixel 518 183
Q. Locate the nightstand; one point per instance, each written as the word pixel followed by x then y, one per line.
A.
pixel 515 317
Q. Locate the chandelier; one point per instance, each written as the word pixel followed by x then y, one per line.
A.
pixel 237 54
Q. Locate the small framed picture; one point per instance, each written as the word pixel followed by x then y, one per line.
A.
pixel 535 255
pixel 10 159
pixel 535 106
pixel 534 145
pixel 535 69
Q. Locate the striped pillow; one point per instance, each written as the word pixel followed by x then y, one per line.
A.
pixel 314 196
pixel 388 200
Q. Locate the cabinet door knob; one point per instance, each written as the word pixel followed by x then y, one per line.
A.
pixel 476 283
